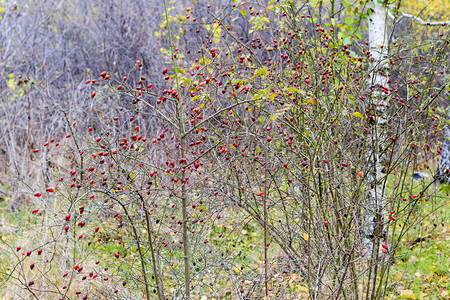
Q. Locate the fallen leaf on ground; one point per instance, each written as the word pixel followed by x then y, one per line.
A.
pixel 408 294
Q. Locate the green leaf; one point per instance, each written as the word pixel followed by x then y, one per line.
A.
pixel 265 19
pixel 296 90
pixel 358 35
pixel 349 21
pixel 179 69
pixel 243 12
pixel 256 96
pixel 352 100
pixel 363 16
pixel 237 80
pixel 263 91
pixel 347 40
pixel 262 71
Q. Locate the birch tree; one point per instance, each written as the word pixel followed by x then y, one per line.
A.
pixel 375 156
pixel 378 40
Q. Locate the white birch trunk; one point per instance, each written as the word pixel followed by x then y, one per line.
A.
pixel 375 155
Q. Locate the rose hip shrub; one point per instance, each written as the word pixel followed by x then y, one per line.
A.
pixel 269 131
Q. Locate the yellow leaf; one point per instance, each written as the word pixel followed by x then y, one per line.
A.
pixel 217 32
pixel 11 83
pixel 310 100
pixel 408 294
pixel 305 236
pixel 303 288
pixel 358 114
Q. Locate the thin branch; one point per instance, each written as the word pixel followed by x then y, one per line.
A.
pixel 421 22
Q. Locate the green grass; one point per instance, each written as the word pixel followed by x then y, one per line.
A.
pixel 421 270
